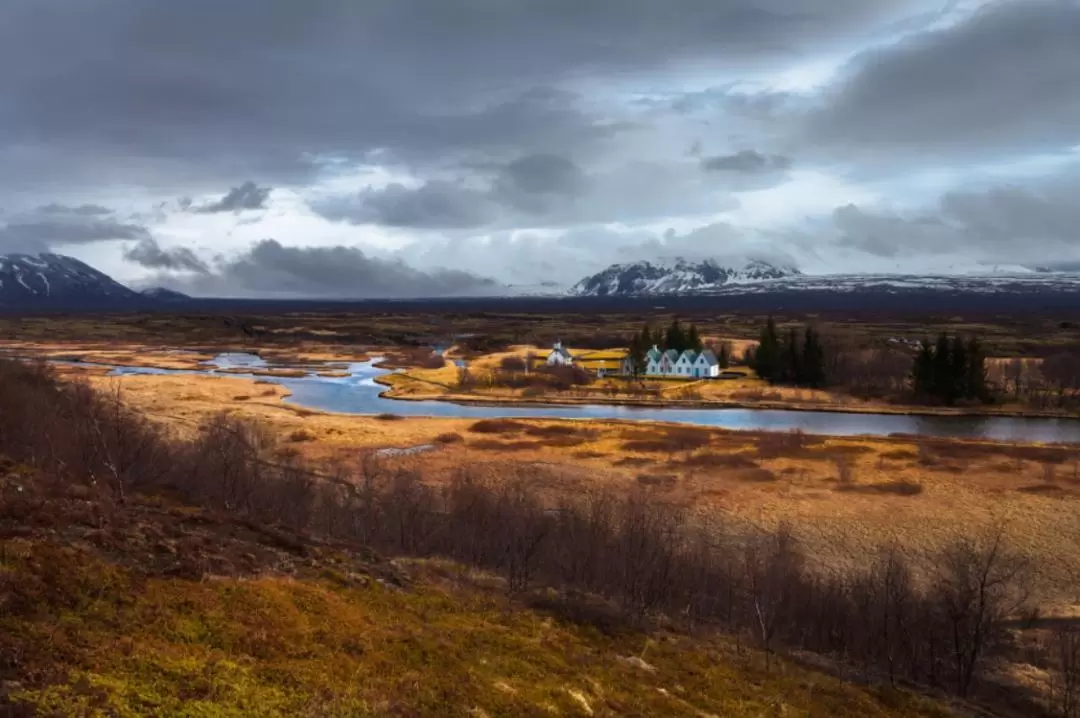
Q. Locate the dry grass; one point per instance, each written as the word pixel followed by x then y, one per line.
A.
pixel 968 485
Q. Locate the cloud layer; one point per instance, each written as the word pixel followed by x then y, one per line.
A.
pixel 433 143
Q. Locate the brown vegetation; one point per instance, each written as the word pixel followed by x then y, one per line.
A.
pixel 643 556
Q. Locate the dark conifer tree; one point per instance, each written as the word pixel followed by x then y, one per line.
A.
pixel 767 356
pixel 693 339
pixel 813 360
pixel 675 338
pixel 940 381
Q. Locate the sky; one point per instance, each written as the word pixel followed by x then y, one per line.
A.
pixel 401 148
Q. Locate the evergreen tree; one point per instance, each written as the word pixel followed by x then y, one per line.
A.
pixel 676 338
pixel 636 355
pixel 956 382
pixel 723 355
pixel 923 370
pixel 813 360
pixel 942 369
pixel 693 339
pixel 647 338
pixel 791 366
pixel 767 356
pixel 975 375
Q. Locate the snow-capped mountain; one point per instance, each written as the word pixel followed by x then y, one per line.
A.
pixel 678 277
pixel 643 279
pixel 29 280
pixel 983 283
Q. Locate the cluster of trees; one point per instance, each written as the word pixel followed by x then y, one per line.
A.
pixel 951 370
pixel 645 558
pixel 674 336
pixel 796 357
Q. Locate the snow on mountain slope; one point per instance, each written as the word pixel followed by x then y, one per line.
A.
pixel 27 280
pixel 709 278
pixel 679 277
pixel 1002 283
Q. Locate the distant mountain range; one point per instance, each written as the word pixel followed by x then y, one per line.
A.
pixel 30 282
pixel 708 278
pixel 33 281
pixel 676 278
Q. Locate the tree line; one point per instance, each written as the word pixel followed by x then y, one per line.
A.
pixel 796 358
pixel 951 370
pixel 673 337
pixel 946 371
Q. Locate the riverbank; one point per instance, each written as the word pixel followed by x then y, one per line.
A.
pixel 447 395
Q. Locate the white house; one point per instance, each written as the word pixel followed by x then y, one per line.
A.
pixel 652 361
pixel 666 364
pixel 684 365
pixel 559 356
pixel 706 365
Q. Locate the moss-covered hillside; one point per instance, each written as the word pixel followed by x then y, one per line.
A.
pixel 156 609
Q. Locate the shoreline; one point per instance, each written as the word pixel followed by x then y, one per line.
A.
pixel 698 405
pixel 903 410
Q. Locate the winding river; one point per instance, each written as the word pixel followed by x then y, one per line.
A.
pixel 358 393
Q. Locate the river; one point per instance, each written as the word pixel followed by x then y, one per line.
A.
pixel 359 394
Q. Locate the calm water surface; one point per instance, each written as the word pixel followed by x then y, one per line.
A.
pixel 359 394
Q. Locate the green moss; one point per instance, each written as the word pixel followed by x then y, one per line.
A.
pixel 115 644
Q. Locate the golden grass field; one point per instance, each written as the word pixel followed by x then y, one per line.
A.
pixel 842 497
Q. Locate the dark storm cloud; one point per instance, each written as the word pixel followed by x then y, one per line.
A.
pixel 532 191
pixel 151 255
pixel 746 162
pixel 1032 225
pixel 272 270
pixel 1005 80
pixel 78 211
pixel 542 174
pixel 52 225
pixel 210 89
pixel 436 204
pixel 246 196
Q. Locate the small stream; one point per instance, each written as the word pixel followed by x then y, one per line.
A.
pixel 358 393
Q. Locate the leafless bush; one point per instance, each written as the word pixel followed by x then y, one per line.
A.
pixel 1064 651
pixel 513 365
pixel 845 471
pixel 301 435
pixel 780 444
pixel 497 426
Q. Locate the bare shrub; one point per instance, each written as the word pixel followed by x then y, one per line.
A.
pixel 449 438
pixel 901 487
pixel 1064 651
pixel 301 435
pixel 712 460
pixel 979 584
pixel 513 365
pixel 389 417
pixel 662 481
pixel 497 426
pixel 780 444
pixel 845 471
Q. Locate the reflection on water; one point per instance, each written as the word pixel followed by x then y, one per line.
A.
pixel 359 394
